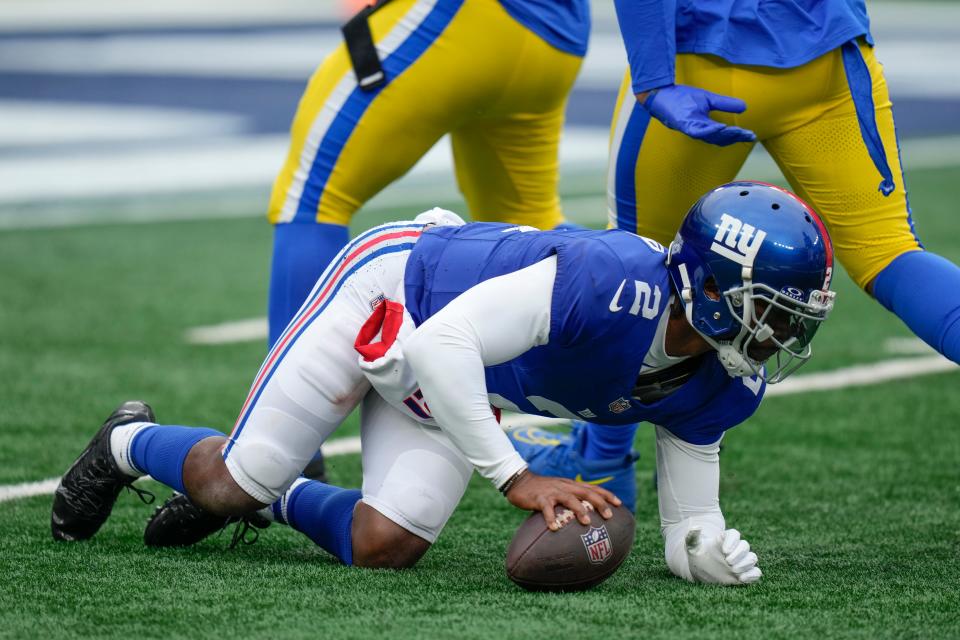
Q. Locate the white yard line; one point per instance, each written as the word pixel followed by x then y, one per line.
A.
pixel 229 332
pixel 907 347
pixel 28 489
pixel 863 375
pixel 857 376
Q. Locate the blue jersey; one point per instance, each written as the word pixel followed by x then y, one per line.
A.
pixel 564 24
pixel 769 33
pixel 610 292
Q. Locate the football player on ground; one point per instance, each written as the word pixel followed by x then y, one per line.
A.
pixel 708 79
pixel 493 75
pixel 433 326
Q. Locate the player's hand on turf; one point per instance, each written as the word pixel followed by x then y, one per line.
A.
pixel 720 557
pixel 687 109
pixel 534 492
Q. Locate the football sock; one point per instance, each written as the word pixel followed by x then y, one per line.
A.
pixel 301 251
pixel 604 442
pixel 923 290
pixel 120 439
pixel 160 450
pixel 322 512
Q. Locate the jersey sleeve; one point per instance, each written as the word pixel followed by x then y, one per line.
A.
pixel 490 323
pixel 648 28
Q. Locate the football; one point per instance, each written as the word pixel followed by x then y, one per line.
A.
pixel 572 558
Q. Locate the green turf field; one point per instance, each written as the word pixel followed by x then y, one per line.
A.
pixel 850 497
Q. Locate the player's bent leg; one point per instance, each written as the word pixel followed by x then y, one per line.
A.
pixel 506 149
pixel 210 485
pixel 508 171
pixel 340 523
pixel 308 384
pixel 301 252
pixel 413 479
pixel 335 160
pixel 380 543
pixel 923 290
pixel 872 232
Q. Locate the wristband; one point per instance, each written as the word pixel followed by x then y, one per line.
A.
pixel 512 480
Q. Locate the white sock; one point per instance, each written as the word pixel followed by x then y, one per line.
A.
pixel 283 503
pixel 120 439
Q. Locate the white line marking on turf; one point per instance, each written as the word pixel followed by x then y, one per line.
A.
pixel 229 332
pixel 863 375
pixel 856 376
pixel 28 489
pixel 908 347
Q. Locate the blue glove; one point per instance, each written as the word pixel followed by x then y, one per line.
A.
pixel 686 109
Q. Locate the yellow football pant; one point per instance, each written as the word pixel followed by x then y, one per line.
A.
pixel 460 67
pixel 805 118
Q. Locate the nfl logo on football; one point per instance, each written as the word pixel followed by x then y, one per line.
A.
pixel 597 543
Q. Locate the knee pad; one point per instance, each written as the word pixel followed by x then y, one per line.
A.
pixel 262 470
pixel 422 507
pixel 419 493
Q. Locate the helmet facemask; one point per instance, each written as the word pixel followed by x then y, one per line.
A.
pixel 774 328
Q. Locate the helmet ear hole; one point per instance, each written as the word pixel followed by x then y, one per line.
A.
pixel 711 289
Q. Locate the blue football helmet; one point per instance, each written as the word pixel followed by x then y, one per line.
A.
pixel 752 264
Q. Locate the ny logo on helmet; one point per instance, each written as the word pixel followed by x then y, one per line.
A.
pixel 742 251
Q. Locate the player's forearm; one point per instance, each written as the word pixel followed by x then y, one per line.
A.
pixel 688 488
pixel 493 322
pixel 648 28
pixel 451 377
pixel 688 479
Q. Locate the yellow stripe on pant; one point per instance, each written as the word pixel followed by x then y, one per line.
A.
pixel 463 68
pixel 805 118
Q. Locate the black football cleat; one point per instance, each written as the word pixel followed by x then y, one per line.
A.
pixel 180 523
pixel 87 491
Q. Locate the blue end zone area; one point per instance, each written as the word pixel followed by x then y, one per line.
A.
pixel 268 104
pixel 231 90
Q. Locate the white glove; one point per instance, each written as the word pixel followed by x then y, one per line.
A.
pixel 720 557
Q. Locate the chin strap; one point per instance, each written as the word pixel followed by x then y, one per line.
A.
pixel 736 363
pixel 733 361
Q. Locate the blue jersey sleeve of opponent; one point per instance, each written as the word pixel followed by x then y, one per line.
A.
pixel 770 33
pixel 610 292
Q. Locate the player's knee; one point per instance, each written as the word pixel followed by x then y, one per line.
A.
pixel 400 551
pixel 263 469
pixel 423 507
pixel 380 543
pixel 209 484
